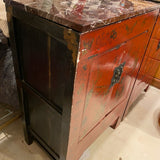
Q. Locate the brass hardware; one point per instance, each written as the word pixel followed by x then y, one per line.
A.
pixel 117 74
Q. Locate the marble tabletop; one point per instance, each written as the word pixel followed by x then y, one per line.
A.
pixel 85 15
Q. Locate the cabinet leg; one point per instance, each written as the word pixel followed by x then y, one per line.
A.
pixel 27 136
pixel 146 89
pixel 116 123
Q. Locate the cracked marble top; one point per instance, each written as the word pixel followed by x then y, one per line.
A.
pixel 85 15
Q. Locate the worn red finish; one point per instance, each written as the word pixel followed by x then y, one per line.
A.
pixel 98 102
pixel 155 45
pixel 145 77
pixel 150 65
pixel 154 49
pixel 156 32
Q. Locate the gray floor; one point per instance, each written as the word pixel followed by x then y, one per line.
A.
pixel 137 137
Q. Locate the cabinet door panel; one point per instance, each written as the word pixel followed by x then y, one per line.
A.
pixel 101 94
pixel 95 97
pixel 102 84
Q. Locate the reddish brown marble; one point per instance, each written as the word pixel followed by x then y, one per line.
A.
pixel 85 15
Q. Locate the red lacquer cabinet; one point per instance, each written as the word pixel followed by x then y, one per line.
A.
pixel 75 77
pixel 107 68
pixel 148 73
pixel 154 54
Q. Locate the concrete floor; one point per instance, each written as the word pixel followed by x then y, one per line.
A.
pixel 3 19
pixel 137 137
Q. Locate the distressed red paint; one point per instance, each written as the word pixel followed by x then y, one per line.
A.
pixel 147 74
pixel 96 103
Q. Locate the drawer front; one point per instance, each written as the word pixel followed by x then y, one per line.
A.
pixel 156 82
pixel 44 120
pixel 156 32
pixel 150 66
pixel 158 72
pixel 154 49
pixel 105 80
pixel 145 76
pixel 100 40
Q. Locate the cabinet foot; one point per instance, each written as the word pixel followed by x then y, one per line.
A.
pixel 27 135
pixel 116 123
pixel 146 89
pixel 28 138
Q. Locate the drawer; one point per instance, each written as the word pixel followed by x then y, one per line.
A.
pixel 156 32
pixel 156 83
pixel 150 66
pixel 154 49
pixel 158 73
pixel 44 120
pixel 100 40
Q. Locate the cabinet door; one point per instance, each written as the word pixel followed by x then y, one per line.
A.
pixel 109 79
pixel 107 85
pixel 103 84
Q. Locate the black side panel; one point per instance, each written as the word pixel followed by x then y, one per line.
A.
pixel 32 48
pixel 45 55
pixel 59 52
pixel 44 120
pixel 43 62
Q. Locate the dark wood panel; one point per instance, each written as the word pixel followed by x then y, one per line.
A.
pixel 44 120
pixel 43 61
pixel 58 71
pixel 33 49
pixel 66 41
